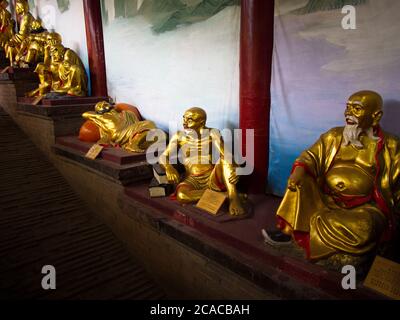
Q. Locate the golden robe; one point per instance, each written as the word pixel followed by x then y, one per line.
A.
pixel 6 26
pixel 123 129
pixel 325 222
pixel 71 78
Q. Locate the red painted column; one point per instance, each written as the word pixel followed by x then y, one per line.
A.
pixel 95 45
pixel 256 47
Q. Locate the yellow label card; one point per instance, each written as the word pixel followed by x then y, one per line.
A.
pixel 94 151
pixel 384 277
pixel 5 69
pixel 211 201
pixel 37 100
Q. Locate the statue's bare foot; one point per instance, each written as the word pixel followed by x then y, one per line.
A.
pixel 236 207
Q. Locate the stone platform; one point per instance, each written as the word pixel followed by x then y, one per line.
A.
pixel 123 167
pixel 239 247
pixel 12 89
pixel 52 118
pixel 11 74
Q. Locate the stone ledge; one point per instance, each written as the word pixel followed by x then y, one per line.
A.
pixel 116 155
pixel 55 112
pixel 69 101
pixel 238 246
pixel 19 74
pixel 124 174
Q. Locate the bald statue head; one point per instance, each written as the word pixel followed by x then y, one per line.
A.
pixel 103 107
pixel 195 119
pixel 53 38
pixel 364 108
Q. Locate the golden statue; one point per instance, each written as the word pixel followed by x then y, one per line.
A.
pixel 120 128
pixel 33 48
pixel 6 24
pixel 201 174
pixel 62 71
pixel 344 192
pixel 26 26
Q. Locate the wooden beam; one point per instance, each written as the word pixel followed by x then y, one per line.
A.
pixel 256 47
pixel 95 45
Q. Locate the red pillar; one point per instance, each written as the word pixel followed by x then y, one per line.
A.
pixel 95 45
pixel 256 47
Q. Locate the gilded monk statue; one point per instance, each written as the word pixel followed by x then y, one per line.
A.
pixel 343 194
pixel 120 128
pixel 197 141
pixel 26 26
pixel 62 71
pixel 6 24
pixel 33 48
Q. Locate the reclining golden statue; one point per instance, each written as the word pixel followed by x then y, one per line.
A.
pixel 120 128
pixel 201 173
pixel 62 71
pixel 6 24
pixel 343 195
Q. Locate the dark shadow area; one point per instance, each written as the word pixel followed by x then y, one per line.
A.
pixel 44 223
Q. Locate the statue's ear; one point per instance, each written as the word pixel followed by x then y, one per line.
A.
pixel 377 116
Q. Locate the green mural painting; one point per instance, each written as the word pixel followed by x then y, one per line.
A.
pixel 63 5
pixel 166 15
pixel 322 5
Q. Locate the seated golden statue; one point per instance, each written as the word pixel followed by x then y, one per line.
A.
pixel 26 26
pixel 33 48
pixel 344 192
pixel 6 24
pixel 62 71
pixel 201 174
pixel 120 128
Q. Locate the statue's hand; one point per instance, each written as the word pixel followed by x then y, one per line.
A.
pixel 296 178
pixel 172 175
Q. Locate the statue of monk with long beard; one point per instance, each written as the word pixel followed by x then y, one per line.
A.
pixel 343 195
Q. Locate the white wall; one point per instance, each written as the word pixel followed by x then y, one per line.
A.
pixel 70 24
pixel 164 74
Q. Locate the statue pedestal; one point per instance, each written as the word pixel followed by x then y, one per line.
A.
pixel 12 88
pixel 122 167
pixel 26 74
pixel 51 119
pixel 63 101
pixel 4 63
pixel 235 245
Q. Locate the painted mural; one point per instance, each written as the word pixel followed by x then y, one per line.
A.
pixel 318 64
pixel 166 15
pixel 167 55
pixel 62 5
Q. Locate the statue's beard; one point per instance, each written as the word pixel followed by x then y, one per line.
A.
pixel 352 133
